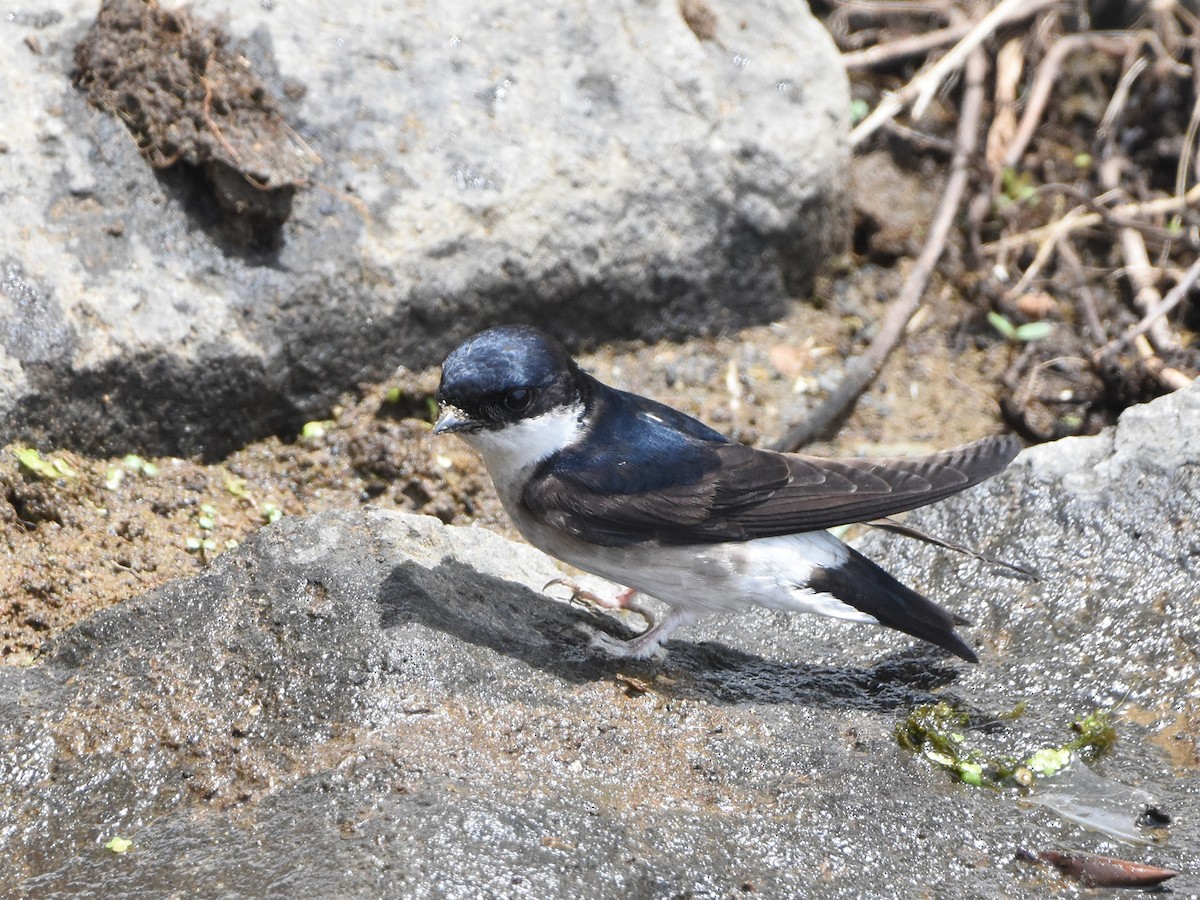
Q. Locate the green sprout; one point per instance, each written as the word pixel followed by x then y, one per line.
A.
pixel 859 109
pixel 393 395
pixel 135 463
pixel 271 513
pixel 118 845
pixel 236 486
pixel 132 463
pixel 207 519
pixel 49 469
pixel 1017 187
pixel 1019 334
pixel 314 431
pixel 201 545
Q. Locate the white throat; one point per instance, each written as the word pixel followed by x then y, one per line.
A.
pixel 511 451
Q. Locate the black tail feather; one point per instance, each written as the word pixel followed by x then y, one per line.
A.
pixel 866 587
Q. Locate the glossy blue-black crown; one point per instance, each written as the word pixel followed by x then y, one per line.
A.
pixel 501 359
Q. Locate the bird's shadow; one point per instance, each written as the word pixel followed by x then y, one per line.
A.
pixel 554 637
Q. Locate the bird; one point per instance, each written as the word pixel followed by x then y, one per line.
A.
pixel 638 493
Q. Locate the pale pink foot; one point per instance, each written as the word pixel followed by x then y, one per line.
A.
pixel 627 599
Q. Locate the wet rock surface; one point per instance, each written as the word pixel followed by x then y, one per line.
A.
pixel 371 703
pixel 629 170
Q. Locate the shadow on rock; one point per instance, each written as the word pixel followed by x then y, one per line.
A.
pixel 552 636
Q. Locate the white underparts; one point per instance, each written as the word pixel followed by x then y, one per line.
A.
pixel 771 572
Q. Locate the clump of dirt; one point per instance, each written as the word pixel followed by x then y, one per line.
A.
pixel 190 97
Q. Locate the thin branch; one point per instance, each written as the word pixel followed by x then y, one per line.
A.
pixel 921 89
pixel 1159 206
pixel 1044 81
pixel 1173 298
pixel 862 371
pixel 902 48
pixel 1091 314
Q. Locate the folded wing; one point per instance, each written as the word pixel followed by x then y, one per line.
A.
pixel 740 493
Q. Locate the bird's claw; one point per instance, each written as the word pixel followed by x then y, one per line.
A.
pixel 616 648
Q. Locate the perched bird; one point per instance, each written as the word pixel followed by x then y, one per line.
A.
pixel 638 493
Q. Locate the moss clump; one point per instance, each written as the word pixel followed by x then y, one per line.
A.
pixel 939 732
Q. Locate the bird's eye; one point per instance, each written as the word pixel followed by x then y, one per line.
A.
pixel 518 399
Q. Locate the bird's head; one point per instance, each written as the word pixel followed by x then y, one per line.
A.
pixel 514 375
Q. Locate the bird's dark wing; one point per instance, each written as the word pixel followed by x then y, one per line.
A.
pixel 731 492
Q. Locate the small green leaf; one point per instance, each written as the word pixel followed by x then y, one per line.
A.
pixel 236 486
pixel 313 431
pixel 942 759
pixel 50 469
pixel 1002 325
pixel 971 773
pixel 859 109
pixel 1083 160
pixel 30 458
pixel 393 395
pixel 192 543
pixel 1049 761
pixel 149 469
pixel 118 845
pixel 113 478
pixel 1033 331
pixel 1017 187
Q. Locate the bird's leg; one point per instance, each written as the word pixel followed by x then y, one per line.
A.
pixel 627 599
pixel 648 643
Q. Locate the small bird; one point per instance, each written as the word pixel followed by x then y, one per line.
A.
pixel 638 493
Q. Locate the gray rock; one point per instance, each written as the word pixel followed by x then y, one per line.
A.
pixel 374 704
pixel 602 168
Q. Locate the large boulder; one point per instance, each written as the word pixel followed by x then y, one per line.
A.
pixel 618 168
pixel 364 705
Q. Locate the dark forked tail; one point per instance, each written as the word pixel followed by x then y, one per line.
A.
pixel 866 587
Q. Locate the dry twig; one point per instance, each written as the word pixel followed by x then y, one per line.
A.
pixel 1156 207
pixel 1043 84
pixel 1173 298
pixel 862 371
pixel 920 91
pixel 902 48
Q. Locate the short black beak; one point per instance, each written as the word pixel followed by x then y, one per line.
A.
pixel 453 419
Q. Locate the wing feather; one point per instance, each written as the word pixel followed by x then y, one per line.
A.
pixel 744 493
